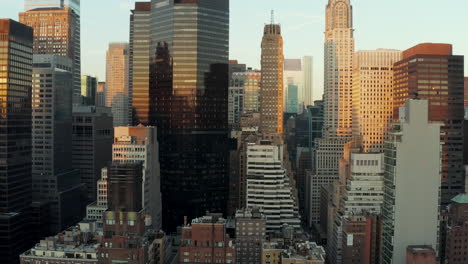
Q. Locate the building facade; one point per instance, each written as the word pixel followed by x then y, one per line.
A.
pixel 269 187
pixel 293 75
pixel 250 235
pixel 271 93
pixel 101 94
pixel 412 158
pixel 57 31
pixel 236 100
pixel 308 80
pixel 140 144
pixel 433 73
pixel 16 42
pixel 117 92
pixel 189 78
pixel 88 90
pixel 206 241
pixel 54 180
pixel 92 140
pixel 372 96
pixel 457 230
pixel 139 53
pixel 421 255
pixel 339 51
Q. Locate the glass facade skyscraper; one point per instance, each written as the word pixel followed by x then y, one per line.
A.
pixel 16 42
pixel 188 104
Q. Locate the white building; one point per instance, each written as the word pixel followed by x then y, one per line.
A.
pixel 136 144
pixel 268 186
pixel 412 183
pixel 95 210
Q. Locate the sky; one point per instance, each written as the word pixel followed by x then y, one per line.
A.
pixel 393 24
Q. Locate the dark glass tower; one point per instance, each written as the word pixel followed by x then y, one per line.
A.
pixel 16 41
pixel 188 104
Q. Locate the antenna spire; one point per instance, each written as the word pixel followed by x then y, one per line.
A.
pixel 272 17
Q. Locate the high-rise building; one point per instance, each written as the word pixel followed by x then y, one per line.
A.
pixel 236 99
pixel 339 50
pixel 361 239
pixel 140 21
pixel 140 144
pixel 189 75
pixel 412 160
pixel 292 100
pixel 307 81
pixel 101 94
pixel 457 230
pixel 95 210
pixel 54 180
pixel 432 72
pixel 250 235
pixel 56 25
pixel 88 90
pixel 269 187
pixel 271 93
pixel 252 80
pixel 117 91
pixel 235 66
pixel 466 92
pixel 293 75
pixel 206 241
pixel 16 42
pixel 373 96
pixel 315 118
pixel 92 140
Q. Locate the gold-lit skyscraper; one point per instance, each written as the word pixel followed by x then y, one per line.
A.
pixel 271 93
pixel 56 27
pixel 117 92
pixel 373 96
pixel 339 49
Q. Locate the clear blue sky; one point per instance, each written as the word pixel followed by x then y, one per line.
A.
pixel 396 24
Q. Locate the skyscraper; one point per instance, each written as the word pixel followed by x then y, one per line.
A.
pixel 88 90
pixel 188 103
pixel 466 93
pixel 293 75
pixel 307 81
pixel 56 25
pixel 412 159
pixel 140 144
pixel 432 72
pixel 54 180
pixel 16 42
pixel 252 81
pixel 101 94
pixel 117 92
pixel 271 92
pixel 140 21
pixel 339 50
pixel 373 96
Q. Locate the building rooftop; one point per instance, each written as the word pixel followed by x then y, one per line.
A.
pixel 304 250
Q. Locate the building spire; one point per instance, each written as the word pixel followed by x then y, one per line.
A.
pixel 272 16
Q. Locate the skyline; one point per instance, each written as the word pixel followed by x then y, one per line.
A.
pixel 245 45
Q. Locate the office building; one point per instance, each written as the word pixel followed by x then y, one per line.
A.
pixel 235 67
pixel 361 239
pixel 280 251
pixel 466 92
pixel 56 25
pixel 269 187
pixel 412 158
pixel 315 118
pixel 54 180
pixel 236 100
pixel 307 81
pixel 457 230
pixel 16 146
pixel 140 144
pixel 251 80
pixel 339 51
pixel 101 94
pixel 88 90
pixel 421 255
pixel 292 100
pixel 271 92
pixel 95 210
pixel 433 73
pixel 250 235
pixel 92 140
pixel 293 76
pixel 205 241
pixel 373 96
pixel 189 74
pixel 140 97
pixel 117 90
